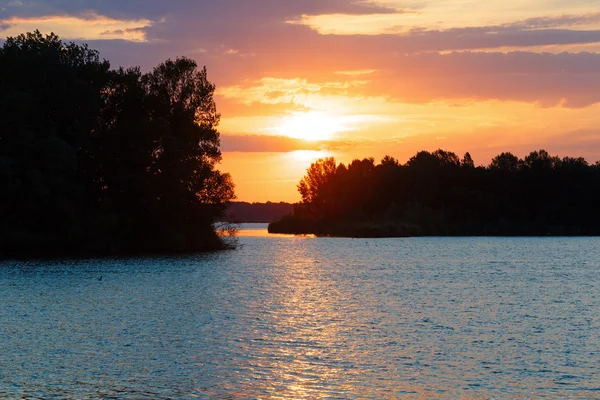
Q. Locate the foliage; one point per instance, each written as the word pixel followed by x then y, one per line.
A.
pixel 94 160
pixel 439 194
pixel 256 212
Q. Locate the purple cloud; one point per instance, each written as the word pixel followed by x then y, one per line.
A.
pixel 244 40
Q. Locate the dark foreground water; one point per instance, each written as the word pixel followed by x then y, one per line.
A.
pixel 281 317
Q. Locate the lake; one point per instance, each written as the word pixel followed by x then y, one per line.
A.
pixel 304 317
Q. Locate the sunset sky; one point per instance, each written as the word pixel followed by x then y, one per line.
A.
pixel 302 79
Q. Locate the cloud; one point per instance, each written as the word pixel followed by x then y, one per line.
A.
pixel 356 72
pixel 256 108
pixel 432 19
pixel 276 91
pixel 263 143
pixel 87 27
pixel 491 37
pixel 360 24
pixel 124 32
pixel 393 91
pixel 274 144
pixel 261 64
pixel 516 62
pixel 258 27
pixel 566 80
pixel 264 45
pixel 157 9
pixel 558 21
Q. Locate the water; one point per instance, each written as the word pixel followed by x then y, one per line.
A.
pixel 297 317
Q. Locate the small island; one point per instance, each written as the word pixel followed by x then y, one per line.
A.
pixel 439 194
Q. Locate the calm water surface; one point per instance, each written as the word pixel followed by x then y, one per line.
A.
pixel 295 317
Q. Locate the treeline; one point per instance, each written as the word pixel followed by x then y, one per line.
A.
pixel 240 211
pixel 441 194
pixel 95 160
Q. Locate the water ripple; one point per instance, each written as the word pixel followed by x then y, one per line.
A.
pixel 469 318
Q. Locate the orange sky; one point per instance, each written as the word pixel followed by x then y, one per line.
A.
pixel 300 80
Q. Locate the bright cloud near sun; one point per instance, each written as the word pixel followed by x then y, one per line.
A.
pixel 329 110
pixel 311 125
pixel 277 90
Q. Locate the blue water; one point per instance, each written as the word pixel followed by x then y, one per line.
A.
pixel 297 317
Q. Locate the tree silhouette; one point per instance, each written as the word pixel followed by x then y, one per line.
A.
pixel 316 187
pixel 50 99
pixel 94 160
pixel 390 161
pixel 467 161
pixel 506 162
pixel 438 194
pixel 539 160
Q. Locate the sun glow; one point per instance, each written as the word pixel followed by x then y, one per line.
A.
pixel 311 126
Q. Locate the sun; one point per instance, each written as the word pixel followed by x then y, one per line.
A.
pixel 312 125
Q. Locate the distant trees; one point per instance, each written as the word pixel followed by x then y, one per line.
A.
pixel 506 162
pixel 538 160
pixel 316 188
pixel 467 161
pixel 439 194
pixel 94 160
pixel 240 212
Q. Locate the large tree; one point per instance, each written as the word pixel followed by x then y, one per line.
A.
pixel 50 98
pixel 101 160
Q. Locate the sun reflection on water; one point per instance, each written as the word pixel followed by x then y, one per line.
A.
pixel 260 231
pixel 305 337
pixel 421 318
pixel 312 337
pixel 265 233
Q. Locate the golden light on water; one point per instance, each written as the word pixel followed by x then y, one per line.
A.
pixel 309 322
pixel 317 336
pixel 264 233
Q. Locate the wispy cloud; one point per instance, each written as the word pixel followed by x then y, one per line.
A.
pixel 90 26
pixel 276 144
pixel 292 91
pixel 357 72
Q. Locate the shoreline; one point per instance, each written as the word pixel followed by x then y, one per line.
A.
pixel 396 229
